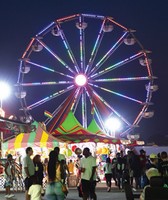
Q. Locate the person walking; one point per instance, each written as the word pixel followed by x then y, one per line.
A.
pixel 163 166
pixel 88 175
pixel 9 175
pixel 120 169
pixel 108 173
pixel 135 167
pixel 28 171
pixel 55 176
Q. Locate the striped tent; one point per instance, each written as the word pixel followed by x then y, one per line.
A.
pixel 94 128
pixel 71 131
pixel 37 138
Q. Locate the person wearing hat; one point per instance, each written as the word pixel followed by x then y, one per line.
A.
pixel 153 161
pixel 149 173
pixel 9 175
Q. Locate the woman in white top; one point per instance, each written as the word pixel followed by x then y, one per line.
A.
pixel 108 173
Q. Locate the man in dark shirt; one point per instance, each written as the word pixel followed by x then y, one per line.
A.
pixel 163 166
pixel 153 161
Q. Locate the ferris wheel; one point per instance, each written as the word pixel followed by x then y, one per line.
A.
pixel 91 65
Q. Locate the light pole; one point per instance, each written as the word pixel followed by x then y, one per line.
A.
pixel 4 93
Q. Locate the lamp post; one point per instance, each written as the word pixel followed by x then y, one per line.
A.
pixel 4 93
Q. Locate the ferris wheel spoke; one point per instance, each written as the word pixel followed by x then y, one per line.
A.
pixel 109 53
pixel 139 117
pixel 48 98
pixel 116 93
pixel 81 28
pixel 76 99
pixel 48 69
pixel 136 122
pixel 61 115
pixel 55 55
pixel 67 46
pixel 84 109
pixel 95 111
pixel 139 78
pixel 96 47
pixel 44 83
pixel 100 119
pixel 110 107
pixel 54 113
pixel 127 131
pixel 119 64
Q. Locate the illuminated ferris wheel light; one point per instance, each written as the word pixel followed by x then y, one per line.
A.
pixel 80 80
pixel 4 90
pixel 113 124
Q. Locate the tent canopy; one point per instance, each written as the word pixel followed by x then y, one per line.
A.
pixel 71 131
pixel 94 128
pixel 38 138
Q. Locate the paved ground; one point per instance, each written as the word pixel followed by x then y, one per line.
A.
pixel 73 195
pixel 101 192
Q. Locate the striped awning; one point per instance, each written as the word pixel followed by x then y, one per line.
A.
pixel 38 138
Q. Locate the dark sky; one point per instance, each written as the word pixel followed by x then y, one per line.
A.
pixel 20 20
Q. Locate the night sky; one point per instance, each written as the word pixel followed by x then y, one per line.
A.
pixel 21 20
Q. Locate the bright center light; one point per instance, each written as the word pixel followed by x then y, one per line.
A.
pixel 80 80
pixel 113 124
pixel 4 90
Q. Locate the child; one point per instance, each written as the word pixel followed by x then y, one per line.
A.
pixel 9 175
pixel 35 190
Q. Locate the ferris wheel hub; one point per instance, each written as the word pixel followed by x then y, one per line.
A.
pixel 80 80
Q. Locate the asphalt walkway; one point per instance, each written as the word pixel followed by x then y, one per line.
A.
pixel 101 192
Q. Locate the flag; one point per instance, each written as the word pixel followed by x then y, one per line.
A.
pixel 48 114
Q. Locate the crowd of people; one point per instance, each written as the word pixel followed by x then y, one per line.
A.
pixel 132 168
pixel 55 171
pixel 136 170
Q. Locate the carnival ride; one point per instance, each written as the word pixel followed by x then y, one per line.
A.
pixel 90 65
